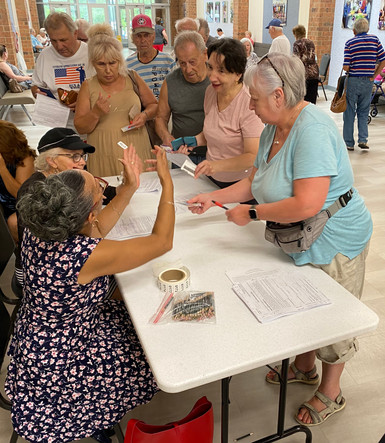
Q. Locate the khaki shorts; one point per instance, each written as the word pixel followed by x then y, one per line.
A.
pixel 351 275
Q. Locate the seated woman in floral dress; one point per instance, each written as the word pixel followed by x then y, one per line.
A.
pixel 77 366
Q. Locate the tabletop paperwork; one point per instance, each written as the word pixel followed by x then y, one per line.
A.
pixel 273 294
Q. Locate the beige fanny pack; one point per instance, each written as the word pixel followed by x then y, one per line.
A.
pixel 299 236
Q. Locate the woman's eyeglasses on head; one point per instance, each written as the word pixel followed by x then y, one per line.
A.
pixel 266 57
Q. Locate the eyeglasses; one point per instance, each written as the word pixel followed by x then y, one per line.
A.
pixel 266 57
pixel 76 157
pixel 102 183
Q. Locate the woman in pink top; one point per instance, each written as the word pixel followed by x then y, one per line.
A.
pixel 231 130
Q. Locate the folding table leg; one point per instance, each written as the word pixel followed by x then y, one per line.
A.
pixel 281 432
pixel 225 410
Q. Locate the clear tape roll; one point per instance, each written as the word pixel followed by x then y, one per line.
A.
pixel 174 279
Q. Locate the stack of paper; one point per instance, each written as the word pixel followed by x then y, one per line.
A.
pixel 273 294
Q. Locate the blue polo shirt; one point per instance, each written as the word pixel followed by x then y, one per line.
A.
pixel 362 52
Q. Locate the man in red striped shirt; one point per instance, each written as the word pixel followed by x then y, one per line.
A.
pixel 364 59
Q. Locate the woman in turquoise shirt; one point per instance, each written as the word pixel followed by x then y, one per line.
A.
pixel 302 167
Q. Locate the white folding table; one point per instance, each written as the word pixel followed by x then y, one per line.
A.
pixel 183 356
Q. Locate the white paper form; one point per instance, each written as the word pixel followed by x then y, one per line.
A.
pixel 148 185
pixel 183 161
pixel 273 294
pixel 132 227
pixel 50 112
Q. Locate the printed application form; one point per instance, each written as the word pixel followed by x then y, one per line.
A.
pixel 273 294
pixel 50 112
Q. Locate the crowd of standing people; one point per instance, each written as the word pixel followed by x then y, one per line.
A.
pixel 258 136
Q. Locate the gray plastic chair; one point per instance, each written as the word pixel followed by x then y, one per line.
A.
pixel 323 69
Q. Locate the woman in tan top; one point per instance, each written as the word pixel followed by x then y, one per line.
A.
pixel 107 103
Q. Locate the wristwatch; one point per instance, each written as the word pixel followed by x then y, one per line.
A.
pixel 253 212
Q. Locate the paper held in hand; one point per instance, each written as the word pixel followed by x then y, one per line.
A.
pixel 183 161
pixel 273 294
pixel 49 112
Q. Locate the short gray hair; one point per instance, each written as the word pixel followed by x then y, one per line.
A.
pixel 189 37
pixel 204 25
pixel 56 19
pixel 82 24
pixel 277 28
pixel 263 77
pixel 361 25
pixel 102 43
pixel 41 164
pixel 191 22
pixel 56 208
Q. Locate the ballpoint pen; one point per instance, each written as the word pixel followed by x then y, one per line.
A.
pixel 220 205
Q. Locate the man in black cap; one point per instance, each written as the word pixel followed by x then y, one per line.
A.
pixel 280 42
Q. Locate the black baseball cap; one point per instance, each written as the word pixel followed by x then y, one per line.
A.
pixel 63 138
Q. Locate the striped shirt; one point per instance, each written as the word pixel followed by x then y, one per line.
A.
pixel 154 72
pixel 362 52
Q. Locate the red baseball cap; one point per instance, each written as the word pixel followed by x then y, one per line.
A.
pixel 141 23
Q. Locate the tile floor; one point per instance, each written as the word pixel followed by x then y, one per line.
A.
pixel 253 406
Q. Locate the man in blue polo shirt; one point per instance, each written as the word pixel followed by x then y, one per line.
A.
pixel 362 53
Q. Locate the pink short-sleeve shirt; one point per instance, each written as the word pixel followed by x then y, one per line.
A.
pixel 224 131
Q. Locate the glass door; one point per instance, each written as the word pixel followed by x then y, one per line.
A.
pixel 163 12
pixel 98 14
pixel 126 14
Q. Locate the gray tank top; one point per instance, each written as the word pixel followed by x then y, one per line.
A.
pixel 186 103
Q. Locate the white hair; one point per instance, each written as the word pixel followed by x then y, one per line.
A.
pixel 263 77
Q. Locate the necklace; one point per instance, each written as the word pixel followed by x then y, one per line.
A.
pixel 276 142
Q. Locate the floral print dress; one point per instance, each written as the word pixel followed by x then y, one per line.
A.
pixel 76 363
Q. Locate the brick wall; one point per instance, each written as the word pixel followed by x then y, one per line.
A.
pixel 6 35
pixel 191 8
pixel 175 14
pixel 24 36
pixel 241 18
pixel 320 28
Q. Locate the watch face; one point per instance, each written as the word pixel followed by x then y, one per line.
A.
pixel 253 213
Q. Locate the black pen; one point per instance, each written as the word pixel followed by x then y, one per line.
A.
pixel 219 204
pixel 244 436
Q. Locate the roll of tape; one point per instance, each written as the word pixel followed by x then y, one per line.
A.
pixel 174 279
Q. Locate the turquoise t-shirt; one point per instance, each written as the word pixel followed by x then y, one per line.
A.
pixel 315 148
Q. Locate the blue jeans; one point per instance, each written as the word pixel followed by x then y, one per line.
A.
pixel 358 98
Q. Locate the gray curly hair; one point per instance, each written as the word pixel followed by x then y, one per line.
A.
pixel 263 77
pixel 56 208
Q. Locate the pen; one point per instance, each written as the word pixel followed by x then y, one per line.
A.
pixel 197 205
pixel 219 204
pixel 163 308
pixel 244 436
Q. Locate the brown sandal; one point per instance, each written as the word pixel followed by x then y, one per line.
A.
pixel 308 378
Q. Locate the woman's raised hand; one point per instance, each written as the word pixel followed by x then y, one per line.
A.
pixel 133 167
pixel 160 164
